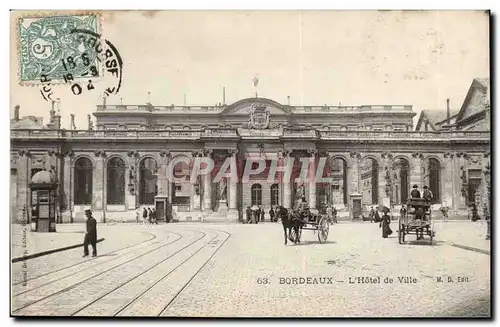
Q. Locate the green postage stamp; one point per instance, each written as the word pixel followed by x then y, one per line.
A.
pixel 50 49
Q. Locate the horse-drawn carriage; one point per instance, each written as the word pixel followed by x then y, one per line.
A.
pixel 298 220
pixel 417 220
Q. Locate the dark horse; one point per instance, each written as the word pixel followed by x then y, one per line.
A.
pixel 289 221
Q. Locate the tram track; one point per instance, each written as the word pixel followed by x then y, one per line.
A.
pixel 193 277
pixel 93 266
pixel 136 298
pixel 65 289
pixel 82 262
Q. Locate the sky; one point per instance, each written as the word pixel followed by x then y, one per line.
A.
pixel 416 58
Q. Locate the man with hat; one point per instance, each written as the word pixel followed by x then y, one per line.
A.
pixel 91 235
pixel 427 196
pixel 415 193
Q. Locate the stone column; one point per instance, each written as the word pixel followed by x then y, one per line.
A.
pixel 353 182
pixel 131 178
pixel 164 183
pixel 233 213
pixel 162 174
pixel 207 186
pixel 385 176
pixel 98 181
pixel 24 178
pixel 312 178
pixel 462 178
pixel 353 173
pixel 233 195
pixel 416 170
pixel 487 193
pixel 54 169
pixel 448 183
pixel 195 200
pixel 284 156
pixel 68 180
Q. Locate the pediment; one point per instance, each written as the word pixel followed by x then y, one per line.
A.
pixel 244 107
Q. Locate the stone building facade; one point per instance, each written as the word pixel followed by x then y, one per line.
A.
pixel 372 153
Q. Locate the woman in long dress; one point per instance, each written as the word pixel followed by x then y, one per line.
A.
pixel 386 229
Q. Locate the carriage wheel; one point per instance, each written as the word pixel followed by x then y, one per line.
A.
pixel 323 229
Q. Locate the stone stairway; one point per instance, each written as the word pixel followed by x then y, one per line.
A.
pixel 198 216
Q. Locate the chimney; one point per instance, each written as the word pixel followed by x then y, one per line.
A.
pixel 448 111
pixel 57 122
pixel 90 123
pixel 52 113
pixel 104 100
pixel 224 95
pixel 73 127
pixel 16 113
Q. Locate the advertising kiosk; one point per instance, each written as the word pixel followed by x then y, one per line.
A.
pixel 43 201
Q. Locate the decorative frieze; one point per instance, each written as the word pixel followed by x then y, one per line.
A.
pixel 418 155
pixel 100 153
pixel 386 155
pixel 165 154
pixel 355 154
pixel 448 155
pixel 133 154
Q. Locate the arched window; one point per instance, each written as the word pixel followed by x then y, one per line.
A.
pixel 148 188
pixel 274 195
pixel 83 181
pixel 256 194
pixel 435 179
pixel 116 181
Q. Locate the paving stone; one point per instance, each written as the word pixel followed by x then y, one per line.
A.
pixel 242 277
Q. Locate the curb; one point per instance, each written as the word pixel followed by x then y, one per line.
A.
pixel 470 248
pixel 40 254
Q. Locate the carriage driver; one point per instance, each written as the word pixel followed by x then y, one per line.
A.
pixel 303 208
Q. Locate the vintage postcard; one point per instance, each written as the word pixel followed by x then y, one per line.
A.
pixel 250 164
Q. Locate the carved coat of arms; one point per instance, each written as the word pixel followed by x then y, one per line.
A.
pixel 259 116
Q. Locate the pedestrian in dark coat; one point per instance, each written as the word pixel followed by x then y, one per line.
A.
pixel 415 193
pixel 262 215
pixel 91 235
pixel 150 215
pixel 371 215
pixel 386 220
pixel 271 214
pixel 427 196
pixel 154 216
pixel 475 215
pixel 249 215
pixel 145 215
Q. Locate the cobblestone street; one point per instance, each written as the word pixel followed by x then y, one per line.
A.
pixel 204 270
